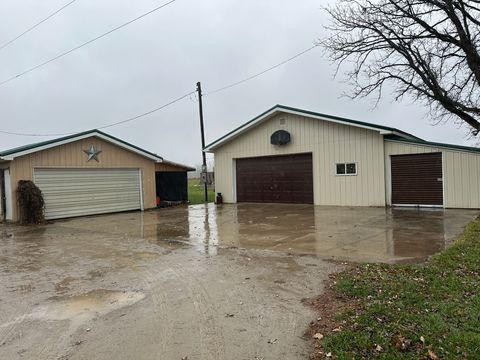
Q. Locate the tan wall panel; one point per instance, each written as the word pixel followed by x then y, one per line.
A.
pixel 329 143
pixel 72 155
pixel 461 173
pixel 168 167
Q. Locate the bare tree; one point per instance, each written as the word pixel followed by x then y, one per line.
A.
pixel 428 49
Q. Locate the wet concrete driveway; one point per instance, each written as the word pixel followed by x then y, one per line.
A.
pixel 200 282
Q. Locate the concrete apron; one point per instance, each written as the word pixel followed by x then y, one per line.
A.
pixel 343 233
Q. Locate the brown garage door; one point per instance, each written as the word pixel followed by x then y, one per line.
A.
pixel 417 179
pixel 275 179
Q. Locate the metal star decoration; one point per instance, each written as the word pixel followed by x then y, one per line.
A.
pixel 92 153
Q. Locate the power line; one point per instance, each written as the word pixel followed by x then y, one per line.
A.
pixel 175 100
pixel 109 125
pixel 36 25
pixel 261 73
pixel 148 112
pixel 85 43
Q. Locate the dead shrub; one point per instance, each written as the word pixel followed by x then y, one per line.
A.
pixel 30 202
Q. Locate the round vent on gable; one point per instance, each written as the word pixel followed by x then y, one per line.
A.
pixel 280 137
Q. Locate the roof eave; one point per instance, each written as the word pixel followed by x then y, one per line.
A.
pixel 438 145
pixel 185 167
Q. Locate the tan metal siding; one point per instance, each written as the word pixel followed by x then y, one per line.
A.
pixel 461 173
pixel 329 143
pixel 77 192
pixel 168 167
pixel 71 155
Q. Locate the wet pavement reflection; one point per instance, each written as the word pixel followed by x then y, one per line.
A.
pixel 342 233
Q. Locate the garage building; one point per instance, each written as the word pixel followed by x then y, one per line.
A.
pixel 289 155
pixel 85 174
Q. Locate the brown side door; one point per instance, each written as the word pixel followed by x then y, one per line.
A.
pixel 417 179
pixel 275 179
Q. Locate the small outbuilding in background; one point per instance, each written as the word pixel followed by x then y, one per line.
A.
pixel 171 182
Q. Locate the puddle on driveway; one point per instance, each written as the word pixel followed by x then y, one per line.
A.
pixel 90 304
pixel 80 308
pixel 343 233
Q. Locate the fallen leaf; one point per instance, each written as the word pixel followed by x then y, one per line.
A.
pixel 318 336
pixel 329 354
pixel 378 348
pixel 337 330
pixel 400 342
pixel 432 355
pixel 422 339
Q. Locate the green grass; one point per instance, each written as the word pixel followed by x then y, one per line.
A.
pixel 410 310
pixel 196 192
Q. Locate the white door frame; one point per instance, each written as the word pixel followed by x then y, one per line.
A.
pixel 8 194
pixel 234 181
pixel 1 196
pixel 140 180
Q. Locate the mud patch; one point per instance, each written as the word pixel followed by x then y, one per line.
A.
pixel 24 288
pixel 80 308
pixel 327 305
pixel 91 304
pixel 64 286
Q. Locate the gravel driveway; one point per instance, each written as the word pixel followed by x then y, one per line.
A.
pixel 191 282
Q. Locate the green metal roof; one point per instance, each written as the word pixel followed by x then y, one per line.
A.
pixel 73 136
pixel 431 143
pixel 306 112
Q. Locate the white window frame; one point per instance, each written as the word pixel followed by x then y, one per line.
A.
pixel 346 163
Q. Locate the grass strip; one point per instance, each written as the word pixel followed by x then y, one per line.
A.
pixel 196 193
pixel 404 311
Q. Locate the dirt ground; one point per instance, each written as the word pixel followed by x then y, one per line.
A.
pixel 195 282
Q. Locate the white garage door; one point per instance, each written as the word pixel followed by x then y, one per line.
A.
pixel 77 192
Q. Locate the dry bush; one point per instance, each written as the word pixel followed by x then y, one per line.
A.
pixel 30 203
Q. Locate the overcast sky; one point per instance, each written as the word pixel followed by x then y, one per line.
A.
pixel 161 57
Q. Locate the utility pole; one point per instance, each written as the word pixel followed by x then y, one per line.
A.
pixel 204 157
